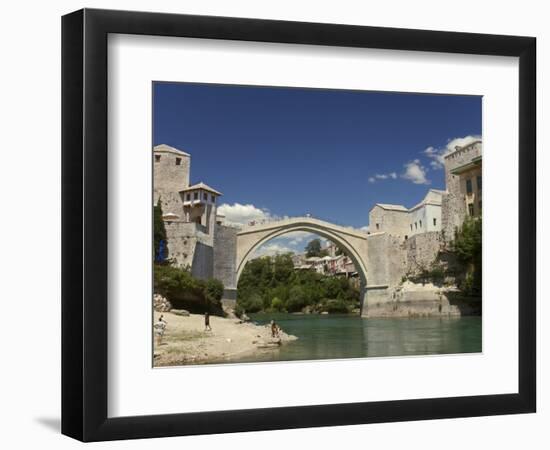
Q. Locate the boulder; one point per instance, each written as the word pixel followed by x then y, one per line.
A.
pixel 161 304
pixel 180 312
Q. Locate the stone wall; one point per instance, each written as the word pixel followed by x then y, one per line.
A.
pixel 388 221
pixel 422 250
pixel 225 253
pixel 171 202
pixel 168 176
pixel 203 261
pixel 389 259
pixel 184 239
pixel 453 202
pixel 453 209
pixel 386 261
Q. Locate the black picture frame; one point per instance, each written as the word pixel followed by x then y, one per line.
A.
pixel 84 224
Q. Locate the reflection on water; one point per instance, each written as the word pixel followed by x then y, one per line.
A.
pixel 345 336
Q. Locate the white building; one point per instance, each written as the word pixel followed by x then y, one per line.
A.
pixel 426 215
pixel 397 220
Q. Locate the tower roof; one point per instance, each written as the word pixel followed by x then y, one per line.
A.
pixel 202 186
pixel 163 148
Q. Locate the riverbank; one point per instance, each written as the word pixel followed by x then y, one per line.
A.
pixel 186 342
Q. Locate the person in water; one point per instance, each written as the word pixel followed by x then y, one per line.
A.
pixel 207 326
pixel 274 329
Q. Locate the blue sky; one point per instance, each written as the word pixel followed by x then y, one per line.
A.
pixel 277 152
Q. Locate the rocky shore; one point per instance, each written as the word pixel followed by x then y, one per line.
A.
pixel 185 340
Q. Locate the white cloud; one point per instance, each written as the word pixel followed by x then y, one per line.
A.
pixel 461 142
pixel 298 237
pixel 293 242
pixel 239 215
pixel 271 249
pixel 383 176
pixel 415 172
pixel 437 155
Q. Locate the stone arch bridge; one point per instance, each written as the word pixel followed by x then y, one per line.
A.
pixel 368 252
pixel 252 237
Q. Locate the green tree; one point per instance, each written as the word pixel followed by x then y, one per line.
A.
pixel 467 247
pixel 283 268
pixel 313 248
pixel 213 290
pixel 264 279
pixel 159 232
pixel 277 304
pixel 298 298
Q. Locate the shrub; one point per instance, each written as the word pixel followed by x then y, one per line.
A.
pixel 336 306
pixel 214 290
pixel 277 304
pixel 298 298
pixel 467 247
pixel 186 292
pixel 251 304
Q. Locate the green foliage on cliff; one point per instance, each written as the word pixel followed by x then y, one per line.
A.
pixel 272 284
pixel 159 232
pixel 187 292
pixel 467 247
pixel 467 242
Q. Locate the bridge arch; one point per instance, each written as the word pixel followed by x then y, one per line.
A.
pixel 354 242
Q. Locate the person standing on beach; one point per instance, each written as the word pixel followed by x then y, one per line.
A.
pixel 160 327
pixel 207 326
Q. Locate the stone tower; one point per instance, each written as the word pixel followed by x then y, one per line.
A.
pixel 170 176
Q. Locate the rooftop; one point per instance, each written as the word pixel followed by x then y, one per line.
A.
pixel 202 186
pixel 163 148
pixel 391 207
pixel 465 147
pixel 433 197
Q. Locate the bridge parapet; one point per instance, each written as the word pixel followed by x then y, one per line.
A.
pixel 305 220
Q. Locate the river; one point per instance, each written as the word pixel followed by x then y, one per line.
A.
pixel 347 336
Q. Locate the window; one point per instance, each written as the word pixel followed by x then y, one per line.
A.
pixel 213 198
pixel 196 196
pixel 377 226
pixel 406 237
pixel 411 226
pixel 178 161
pixel 478 182
pixel 420 224
pixel 205 196
pixel 435 221
pixel 416 226
pixel 471 209
pixel 157 158
pixel 188 197
pixel 469 186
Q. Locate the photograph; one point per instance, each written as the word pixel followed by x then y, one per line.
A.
pixel 296 224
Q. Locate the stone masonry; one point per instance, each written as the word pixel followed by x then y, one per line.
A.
pixel 455 198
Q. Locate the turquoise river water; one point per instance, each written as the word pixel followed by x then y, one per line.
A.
pixel 347 336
